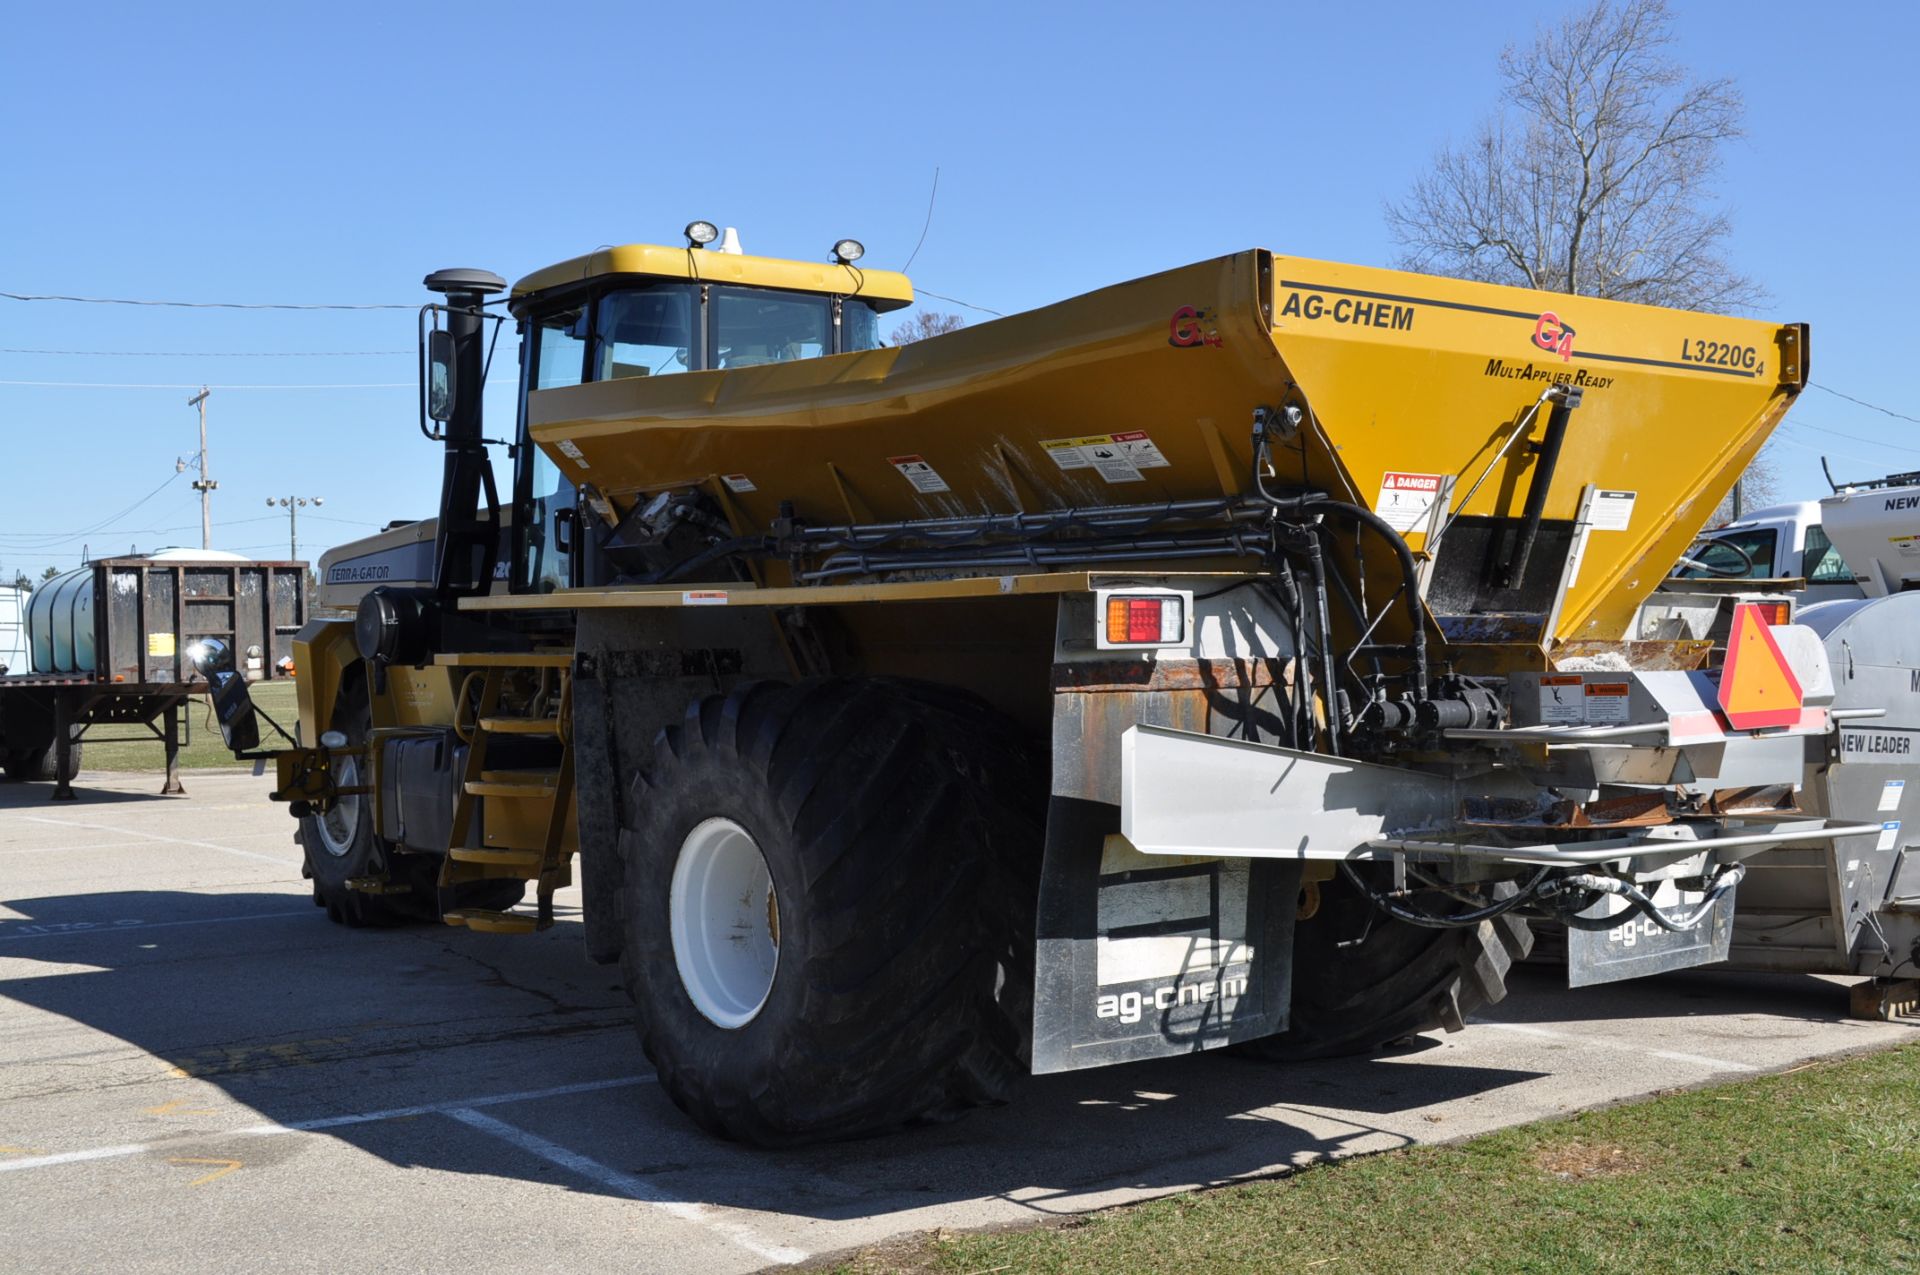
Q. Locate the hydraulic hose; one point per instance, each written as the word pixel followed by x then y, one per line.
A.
pixel 1458 921
pixel 1639 901
pixel 1316 564
pixel 1313 501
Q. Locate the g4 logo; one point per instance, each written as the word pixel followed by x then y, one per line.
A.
pixel 1189 328
pixel 1554 336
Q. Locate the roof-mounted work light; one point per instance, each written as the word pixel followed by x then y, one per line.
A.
pixel 848 251
pixel 701 233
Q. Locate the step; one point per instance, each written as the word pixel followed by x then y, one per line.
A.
pixel 520 725
pixel 501 788
pixel 492 922
pixel 528 859
pixel 504 659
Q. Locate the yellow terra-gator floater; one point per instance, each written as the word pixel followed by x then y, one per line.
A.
pixel 1404 387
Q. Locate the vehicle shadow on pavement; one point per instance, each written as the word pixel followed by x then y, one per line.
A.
pixel 38 797
pixel 299 1020
pixel 1794 996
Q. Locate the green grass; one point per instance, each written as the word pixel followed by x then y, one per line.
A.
pixel 117 748
pixel 1817 1169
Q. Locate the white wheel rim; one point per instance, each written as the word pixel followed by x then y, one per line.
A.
pixel 342 819
pixel 725 923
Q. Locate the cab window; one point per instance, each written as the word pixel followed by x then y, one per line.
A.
pixel 859 327
pixel 1821 563
pixel 752 327
pixel 646 332
pixel 559 353
pixel 1732 555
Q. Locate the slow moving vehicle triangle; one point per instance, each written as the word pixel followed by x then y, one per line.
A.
pixel 1757 687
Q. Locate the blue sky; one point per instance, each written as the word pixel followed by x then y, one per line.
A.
pixel 250 153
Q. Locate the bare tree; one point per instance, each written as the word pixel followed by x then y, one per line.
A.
pixel 1595 176
pixel 1759 487
pixel 926 323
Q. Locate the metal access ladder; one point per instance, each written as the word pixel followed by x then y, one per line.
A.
pixel 525 816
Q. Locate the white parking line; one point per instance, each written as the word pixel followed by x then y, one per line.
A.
pixel 93 845
pixel 156 839
pixel 467 1111
pixel 56 930
pixel 324 1122
pixel 1671 1055
pixel 628 1185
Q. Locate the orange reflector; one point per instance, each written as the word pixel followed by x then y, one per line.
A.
pixel 1757 687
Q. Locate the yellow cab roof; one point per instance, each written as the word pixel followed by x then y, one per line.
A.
pixel 883 289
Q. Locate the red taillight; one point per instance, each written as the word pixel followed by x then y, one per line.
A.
pixel 1150 620
pixel 1775 612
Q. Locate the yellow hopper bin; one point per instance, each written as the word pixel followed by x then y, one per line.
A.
pixel 1425 399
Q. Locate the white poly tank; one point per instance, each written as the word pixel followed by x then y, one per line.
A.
pixel 60 623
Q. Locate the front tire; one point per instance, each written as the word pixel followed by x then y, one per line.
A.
pixel 829 908
pixel 340 844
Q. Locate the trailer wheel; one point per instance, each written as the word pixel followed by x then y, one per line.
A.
pixel 828 908
pixel 31 764
pixel 1403 979
pixel 340 845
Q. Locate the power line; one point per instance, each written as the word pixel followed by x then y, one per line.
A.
pixel 1858 438
pixel 494 384
pixel 197 385
pixel 927 224
pixel 213 354
pixel 202 305
pixel 47 539
pixel 1885 411
pixel 957 301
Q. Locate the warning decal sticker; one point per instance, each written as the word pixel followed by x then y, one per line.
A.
pixel 1560 698
pixel 738 483
pixel 1139 449
pixel 916 470
pixel 1406 498
pixel 572 453
pixel 1606 701
pixel 1118 458
pixel 1612 510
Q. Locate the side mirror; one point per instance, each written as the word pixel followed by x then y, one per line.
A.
pixel 441 387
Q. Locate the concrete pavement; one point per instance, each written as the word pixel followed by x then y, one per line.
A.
pixel 197 1069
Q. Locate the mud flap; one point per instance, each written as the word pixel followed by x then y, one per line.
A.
pixel 1149 956
pixel 1635 947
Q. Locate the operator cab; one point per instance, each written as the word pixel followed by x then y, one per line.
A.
pixel 648 310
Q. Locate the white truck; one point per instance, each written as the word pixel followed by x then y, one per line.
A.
pixel 1781 543
pixel 1862 541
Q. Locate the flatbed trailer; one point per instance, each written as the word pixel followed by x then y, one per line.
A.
pixel 134 619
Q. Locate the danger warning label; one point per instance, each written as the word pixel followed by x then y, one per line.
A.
pixel 1406 499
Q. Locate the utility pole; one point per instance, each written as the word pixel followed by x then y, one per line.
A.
pixel 292 505
pixel 205 485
